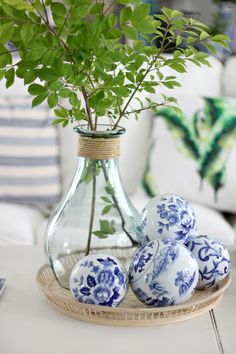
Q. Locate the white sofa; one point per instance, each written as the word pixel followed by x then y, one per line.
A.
pixel 23 225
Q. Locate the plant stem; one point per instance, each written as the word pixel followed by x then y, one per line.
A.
pixel 45 11
pixel 87 108
pixel 92 210
pixel 50 29
pixel 115 201
pixel 149 68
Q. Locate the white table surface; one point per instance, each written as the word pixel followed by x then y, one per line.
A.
pixel 28 325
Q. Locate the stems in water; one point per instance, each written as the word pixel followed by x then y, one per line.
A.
pixel 92 210
pixel 134 243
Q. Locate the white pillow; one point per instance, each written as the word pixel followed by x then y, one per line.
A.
pixel 229 77
pixel 18 224
pixel 171 170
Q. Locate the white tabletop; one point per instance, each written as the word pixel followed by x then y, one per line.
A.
pixel 28 325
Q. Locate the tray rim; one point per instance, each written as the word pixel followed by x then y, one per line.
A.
pixel 214 299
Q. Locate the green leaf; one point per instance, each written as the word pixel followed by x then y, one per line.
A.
pixel 130 77
pixel 58 121
pixel 106 227
pixel 2 73
pixel 58 9
pixel 149 89
pixel 39 99
pixel 180 68
pixel 204 35
pixel 109 189
pixel 61 112
pixel 219 37
pixel 65 123
pixel 10 76
pixel 129 32
pixel 171 84
pixel 26 33
pixel 29 76
pixel 6 31
pixel 175 13
pixel 58 67
pixel 112 20
pixel 106 200
pixel 5 59
pixel 34 55
pixel 46 74
pixel 120 91
pixel 64 92
pixel 20 5
pixel 125 15
pixel 179 40
pixel 55 85
pixel 140 12
pixel 100 234
pixel 52 100
pixel 210 47
pixel 106 209
pixel 73 99
pixel 36 89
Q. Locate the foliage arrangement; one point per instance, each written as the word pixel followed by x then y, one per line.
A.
pixel 89 62
pixel 73 50
pixel 207 137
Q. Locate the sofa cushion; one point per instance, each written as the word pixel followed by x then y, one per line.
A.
pixel 18 224
pixel 208 220
pixel 195 157
pixel 229 77
pixel 29 157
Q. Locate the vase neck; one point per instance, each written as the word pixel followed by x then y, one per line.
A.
pixel 99 148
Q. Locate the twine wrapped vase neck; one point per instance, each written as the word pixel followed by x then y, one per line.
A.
pixel 101 144
pixel 99 148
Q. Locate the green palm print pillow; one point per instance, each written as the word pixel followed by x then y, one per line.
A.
pixel 204 136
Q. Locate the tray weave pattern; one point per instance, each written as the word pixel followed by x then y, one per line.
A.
pixel 131 312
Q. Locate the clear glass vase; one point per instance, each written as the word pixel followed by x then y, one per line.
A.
pixel 96 216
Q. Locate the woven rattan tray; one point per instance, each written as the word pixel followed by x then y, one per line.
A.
pixel 131 312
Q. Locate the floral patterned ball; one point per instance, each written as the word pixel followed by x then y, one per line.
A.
pixel 213 260
pixel 163 273
pixel 100 280
pixel 167 216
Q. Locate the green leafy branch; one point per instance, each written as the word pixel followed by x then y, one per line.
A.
pixel 78 56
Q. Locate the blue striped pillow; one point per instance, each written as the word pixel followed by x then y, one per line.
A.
pixel 29 154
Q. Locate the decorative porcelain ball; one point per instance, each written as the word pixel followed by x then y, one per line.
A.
pixel 99 279
pixel 163 273
pixel 213 260
pixel 167 216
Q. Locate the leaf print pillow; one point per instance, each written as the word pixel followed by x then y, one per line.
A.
pixel 193 154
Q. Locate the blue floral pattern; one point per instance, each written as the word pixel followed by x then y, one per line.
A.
pixel 169 278
pixel 142 257
pixel 213 260
pixel 99 280
pixel 168 216
pixel 159 301
pixel 184 281
pixel 175 211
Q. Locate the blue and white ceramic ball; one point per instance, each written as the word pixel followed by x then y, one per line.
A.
pixel 163 273
pixel 213 260
pixel 100 280
pixel 167 216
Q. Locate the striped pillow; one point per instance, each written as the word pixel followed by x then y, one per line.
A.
pixel 29 154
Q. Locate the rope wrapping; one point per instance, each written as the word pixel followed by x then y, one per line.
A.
pixel 99 148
